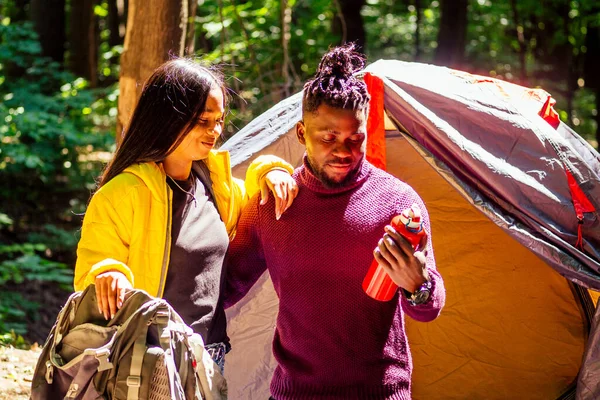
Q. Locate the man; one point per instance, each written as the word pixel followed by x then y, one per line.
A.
pixel 332 340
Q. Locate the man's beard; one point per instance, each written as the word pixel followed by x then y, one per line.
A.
pixel 326 180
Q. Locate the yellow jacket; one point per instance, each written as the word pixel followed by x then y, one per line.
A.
pixel 127 225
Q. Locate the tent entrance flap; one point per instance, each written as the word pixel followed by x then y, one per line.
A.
pixel 511 327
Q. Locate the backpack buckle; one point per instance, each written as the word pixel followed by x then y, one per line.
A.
pixel 72 392
pixel 162 317
pixel 103 362
pixel 49 372
pixel 134 381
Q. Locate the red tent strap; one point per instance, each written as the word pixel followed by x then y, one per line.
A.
pixel 579 243
pixel 549 114
pixel 581 204
pixel 375 122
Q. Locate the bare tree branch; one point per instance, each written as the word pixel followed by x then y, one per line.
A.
pixel 418 9
pixel 521 39
pixel 223 30
pixel 286 19
pixel 236 82
pixel 248 44
pixel 342 20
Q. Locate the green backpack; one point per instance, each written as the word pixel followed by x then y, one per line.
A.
pixel 141 353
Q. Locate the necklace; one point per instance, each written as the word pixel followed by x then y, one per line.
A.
pixel 192 194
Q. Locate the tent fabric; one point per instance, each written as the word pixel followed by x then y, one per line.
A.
pixel 487 340
pixel 511 158
pixel 492 173
pixel 588 383
pixel 376 123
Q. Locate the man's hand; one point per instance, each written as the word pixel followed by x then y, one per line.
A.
pixel 283 187
pixel 110 292
pixel 405 266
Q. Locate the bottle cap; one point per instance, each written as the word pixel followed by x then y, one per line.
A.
pixel 411 217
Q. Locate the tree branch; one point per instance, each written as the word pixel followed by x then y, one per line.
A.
pixel 223 30
pixel 418 9
pixel 340 13
pixel 286 19
pixel 248 44
pixel 520 39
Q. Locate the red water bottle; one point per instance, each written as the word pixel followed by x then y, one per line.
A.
pixel 377 282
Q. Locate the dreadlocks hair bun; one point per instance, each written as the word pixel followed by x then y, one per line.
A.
pixel 341 62
pixel 334 83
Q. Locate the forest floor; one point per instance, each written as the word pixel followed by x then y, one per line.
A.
pixel 16 370
pixel 17 366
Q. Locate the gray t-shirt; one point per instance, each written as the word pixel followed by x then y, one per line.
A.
pixel 199 242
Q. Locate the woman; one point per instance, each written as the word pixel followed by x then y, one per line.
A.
pixel 167 205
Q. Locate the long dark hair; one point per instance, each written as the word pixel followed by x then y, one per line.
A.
pixel 334 83
pixel 172 100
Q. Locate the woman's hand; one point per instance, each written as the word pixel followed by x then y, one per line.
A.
pixel 283 187
pixel 110 292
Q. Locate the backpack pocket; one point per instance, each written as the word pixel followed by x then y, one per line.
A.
pixel 82 337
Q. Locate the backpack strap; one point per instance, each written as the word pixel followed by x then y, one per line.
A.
pixel 161 319
pixel 170 325
pixel 166 330
pixel 135 370
pixel 63 320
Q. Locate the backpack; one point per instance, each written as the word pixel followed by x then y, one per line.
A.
pixel 144 352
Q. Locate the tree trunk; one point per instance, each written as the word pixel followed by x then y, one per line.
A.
pixel 419 12
pixel 190 40
pixel 83 40
pixel 48 17
pixel 249 46
pixel 598 119
pixel 223 30
pixel 591 67
pixel 116 22
pixel 286 20
pixel 568 68
pixel 519 34
pixel 18 12
pixel 348 22
pixel 156 31
pixel 202 41
pixel 452 35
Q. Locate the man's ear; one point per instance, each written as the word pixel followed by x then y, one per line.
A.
pixel 300 131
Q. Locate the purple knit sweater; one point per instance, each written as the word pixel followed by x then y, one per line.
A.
pixel 332 341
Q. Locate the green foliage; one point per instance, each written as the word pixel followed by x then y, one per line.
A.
pixel 5 220
pixel 22 262
pixel 13 339
pixel 55 133
pixel 108 58
pixel 45 120
pixel 584 112
pixel 245 37
pixel 551 41
pixel 14 309
pixel 391 29
pixel 246 40
pixel 55 239
pixel 33 267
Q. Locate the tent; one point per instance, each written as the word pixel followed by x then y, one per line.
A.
pixel 513 195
